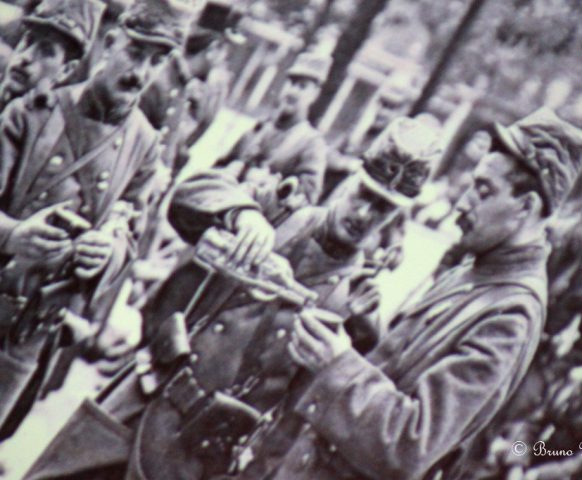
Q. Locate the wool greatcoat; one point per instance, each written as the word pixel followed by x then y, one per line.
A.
pixel 246 338
pixel 43 140
pixel 439 375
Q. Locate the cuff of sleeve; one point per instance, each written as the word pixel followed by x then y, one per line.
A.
pixel 230 216
pixel 328 385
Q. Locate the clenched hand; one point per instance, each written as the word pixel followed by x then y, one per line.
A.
pixel 93 249
pixel 313 344
pixel 35 238
pixel 255 238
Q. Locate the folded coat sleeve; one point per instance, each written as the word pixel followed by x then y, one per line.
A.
pixel 12 136
pixel 205 200
pixel 386 433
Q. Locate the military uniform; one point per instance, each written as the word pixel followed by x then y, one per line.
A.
pixel 41 150
pixel 446 365
pixel 54 147
pixel 254 334
pixel 411 401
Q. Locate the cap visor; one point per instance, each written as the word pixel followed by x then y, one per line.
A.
pixel 154 39
pixel 390 195
pixel 44 22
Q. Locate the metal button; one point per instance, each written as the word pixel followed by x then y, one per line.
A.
pixel 43 196
pixel 218 328
pixel 333 280
pixel 281 333
pixel 332 448
pixel 85 209
pixel 193 358
pixel 56 161
pixel 305 459
pixel 102 186
pixel 171 111
pixel 311 409
pixel 164 130
pixel 117 142
pixel 174 93
pixel 104 175
pixel 205 444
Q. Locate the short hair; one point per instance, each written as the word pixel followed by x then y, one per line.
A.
pixel 522 178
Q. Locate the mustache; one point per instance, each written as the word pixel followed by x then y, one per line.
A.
pixel 130 82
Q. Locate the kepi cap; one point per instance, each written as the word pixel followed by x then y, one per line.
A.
pixel 161 22
pixel 79 20
pixel 402 158
pixel 549 147
pixel 311 65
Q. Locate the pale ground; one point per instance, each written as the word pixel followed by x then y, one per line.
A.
pixel 422 251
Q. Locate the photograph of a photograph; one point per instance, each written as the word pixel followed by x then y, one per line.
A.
pixel 290 240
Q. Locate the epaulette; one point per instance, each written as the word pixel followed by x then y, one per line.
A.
pixel 40 100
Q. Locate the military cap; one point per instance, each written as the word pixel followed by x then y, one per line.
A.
pixel 397 93
pixel 401 159
pixel 161 22
pixel 221 17
pixel 549 147
pixel 79 20
pixel 311 65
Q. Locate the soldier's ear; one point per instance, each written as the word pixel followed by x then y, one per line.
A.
pixel 67 70
pixel 532 203
pixel 110 38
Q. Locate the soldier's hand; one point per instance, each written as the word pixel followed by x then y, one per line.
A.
pixel 255 238
pixel 93 249
pixel 314 345
pixel 366 297
pixel 35 238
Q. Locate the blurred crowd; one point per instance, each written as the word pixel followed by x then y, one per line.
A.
pixel 229 301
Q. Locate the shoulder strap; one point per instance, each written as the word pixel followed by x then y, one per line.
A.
pixel 73 167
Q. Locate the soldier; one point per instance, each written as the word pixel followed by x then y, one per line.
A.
pixel 448 363
pixel 240 354
pixel 286 145
pixel 76 168
pixel 184 100
pixel 57 35
pixel 391 102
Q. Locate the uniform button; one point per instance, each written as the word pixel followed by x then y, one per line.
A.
pixel 193 358
pixel 205 444
pixel 311 409
pixel 170 111
pixel 104 175
pixel 117 142
pixel 333 280
pixel 56 161
pixel 281 333
pixel 85 209
pixel 164 130
pixel 305 459
pixel 218 328
pixel 332 448
pixel 174 93
pixel 43 196
pixel 102 186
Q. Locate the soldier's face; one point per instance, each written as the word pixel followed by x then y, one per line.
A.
pixel 37 57
pixel 297 95
pixel 128 67
pixel 489 213
pixel 358 213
